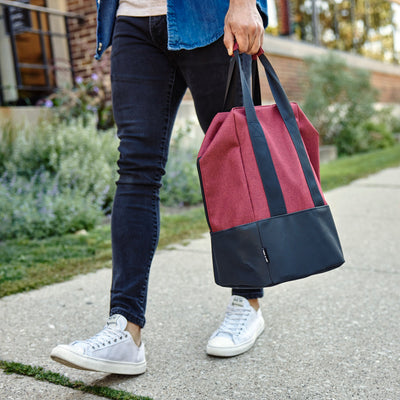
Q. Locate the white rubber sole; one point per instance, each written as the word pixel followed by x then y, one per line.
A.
pixel 71 359
pixel 238 349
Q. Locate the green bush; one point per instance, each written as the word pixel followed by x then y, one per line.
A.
pixel 379 135
pixel 86 99
pixel 56 179
pixel 340 103
pixel 395 123
pixel 181 183
pixel 366 136
pixel 39 207
pixel 59 178
pixel 8 133
pixel 82 158
pixel 389 117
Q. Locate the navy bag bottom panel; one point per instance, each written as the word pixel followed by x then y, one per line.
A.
pixel 277 249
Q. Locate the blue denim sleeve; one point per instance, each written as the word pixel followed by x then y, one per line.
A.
pixel 191 23
pixel 106 12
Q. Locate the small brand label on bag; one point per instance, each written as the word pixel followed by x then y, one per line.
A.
pixel 265 255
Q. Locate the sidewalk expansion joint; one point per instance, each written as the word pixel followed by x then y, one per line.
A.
pixel 378 185
pixel 379 271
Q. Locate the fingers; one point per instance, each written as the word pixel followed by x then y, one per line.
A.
pixel 248 43
pixel 229 41
pixel 244 41
pixel 257 43
pixel 244 24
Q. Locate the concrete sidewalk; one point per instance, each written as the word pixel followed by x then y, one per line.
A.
pixel 331 336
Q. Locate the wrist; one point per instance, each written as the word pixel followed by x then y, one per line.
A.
pixel 242 2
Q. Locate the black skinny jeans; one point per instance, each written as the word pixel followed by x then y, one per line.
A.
pixel 148 83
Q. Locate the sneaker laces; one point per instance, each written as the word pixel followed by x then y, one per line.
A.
pixel 235 320
pixel 106 336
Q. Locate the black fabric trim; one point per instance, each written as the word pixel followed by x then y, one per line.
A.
pixel 298 245
pixel 288 117
pixel 202 193
pixel 272 187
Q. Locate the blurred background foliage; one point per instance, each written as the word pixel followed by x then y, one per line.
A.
pixel 367 27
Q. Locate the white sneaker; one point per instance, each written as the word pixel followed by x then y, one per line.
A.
pixel 112 350
pixel 239 330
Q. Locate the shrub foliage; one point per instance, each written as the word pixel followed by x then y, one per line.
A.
pixel 340 103
pixel 55 179
pixel 181 183
pixel 84 100
pixel 60 177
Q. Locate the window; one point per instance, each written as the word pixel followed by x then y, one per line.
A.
pixel 35 54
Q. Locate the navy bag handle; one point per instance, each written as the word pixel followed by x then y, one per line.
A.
pixel 255 81
pixel 262 154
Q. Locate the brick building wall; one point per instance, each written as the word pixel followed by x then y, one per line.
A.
pixel 388 86
pixel 83 40
pixel 291 72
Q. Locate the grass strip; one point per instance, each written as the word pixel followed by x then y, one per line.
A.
pixel 41 374
pixel 30 264
pixel 347 169
pixel 182 227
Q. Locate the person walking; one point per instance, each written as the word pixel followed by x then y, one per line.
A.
pixel 159 49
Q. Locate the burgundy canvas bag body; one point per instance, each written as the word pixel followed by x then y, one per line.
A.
pixel 259 173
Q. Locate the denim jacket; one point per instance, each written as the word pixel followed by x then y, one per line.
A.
pixel 191 23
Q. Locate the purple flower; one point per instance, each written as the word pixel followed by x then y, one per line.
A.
pixel 91 108
pixel 78 80
pixel 48 103
pixel 95 77
pixel 54 191
pixel 96 89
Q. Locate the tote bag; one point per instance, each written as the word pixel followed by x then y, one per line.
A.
pixel 259 173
